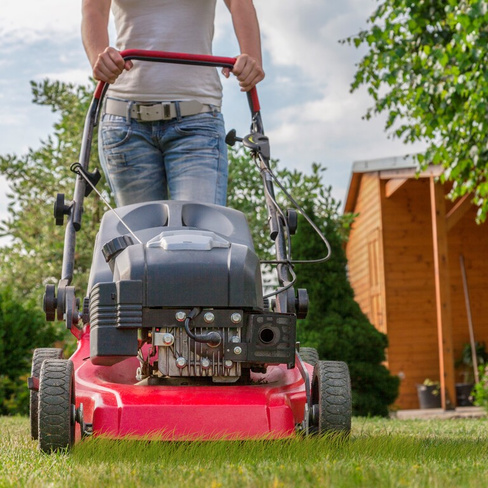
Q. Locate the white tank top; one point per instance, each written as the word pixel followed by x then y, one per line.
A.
pixel 185 26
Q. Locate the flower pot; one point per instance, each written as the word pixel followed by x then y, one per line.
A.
pixel 429 396
pixel 463 393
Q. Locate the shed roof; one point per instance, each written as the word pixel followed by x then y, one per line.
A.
pixel 400 168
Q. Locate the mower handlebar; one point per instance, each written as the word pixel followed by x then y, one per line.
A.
pixel 182 58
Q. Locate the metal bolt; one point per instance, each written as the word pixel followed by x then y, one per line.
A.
pixel 181 362
pixel 228 364
pixel 237 350
pixel 168 339
pixel 236 318
pixel 180 316
pixel 138 374
pixel 205 363
pixel 209 317
pixel 235 339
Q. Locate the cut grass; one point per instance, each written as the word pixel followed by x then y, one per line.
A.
pixel 380 453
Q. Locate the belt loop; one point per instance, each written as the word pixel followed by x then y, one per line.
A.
pixel 129 111
pixel 178 111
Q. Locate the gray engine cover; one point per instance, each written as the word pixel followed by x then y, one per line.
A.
pixel 191 254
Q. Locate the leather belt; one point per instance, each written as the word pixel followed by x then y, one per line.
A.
pixel 151 112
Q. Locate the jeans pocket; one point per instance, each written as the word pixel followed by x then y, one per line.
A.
pixel 205 124
pixel 115 131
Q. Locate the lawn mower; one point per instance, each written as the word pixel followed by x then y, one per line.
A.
pixel 176 339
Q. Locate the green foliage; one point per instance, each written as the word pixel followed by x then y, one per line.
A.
pixel 480 391
pixel 22 328
pixel 466 358
pixel 35 255
pixel 427 68
pixel 465 362
pixel 337 327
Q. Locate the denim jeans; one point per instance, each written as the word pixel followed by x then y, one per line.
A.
pixel 181 159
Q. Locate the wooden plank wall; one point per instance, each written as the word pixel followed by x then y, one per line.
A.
pixel 409 281
pixel 358 247
pixel 410 290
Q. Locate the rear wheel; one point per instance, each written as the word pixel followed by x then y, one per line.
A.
pixel 331 398
pixel 56 405
pixel 309 355
pixel 39 356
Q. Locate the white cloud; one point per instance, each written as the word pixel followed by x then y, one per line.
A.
pixel 33 20
pixel 75 75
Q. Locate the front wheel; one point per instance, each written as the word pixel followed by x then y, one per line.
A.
pixel 39 356
pixel 331 398
pixel 56 405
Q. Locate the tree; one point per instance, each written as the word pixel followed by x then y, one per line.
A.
pixel 426 68
pixel 34 256
pixel 336 326
pixel 22 327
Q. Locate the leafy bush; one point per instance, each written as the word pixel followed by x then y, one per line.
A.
pixel 480 391
pixel 335 324
pixel 22 328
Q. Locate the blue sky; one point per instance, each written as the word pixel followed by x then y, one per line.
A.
pixel 308 112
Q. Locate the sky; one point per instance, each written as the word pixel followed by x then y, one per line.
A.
pixel 308 111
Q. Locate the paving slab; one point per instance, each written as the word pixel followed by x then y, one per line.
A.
pixel 439 413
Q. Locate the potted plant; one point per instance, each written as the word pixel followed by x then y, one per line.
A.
pixel 429 394
pixel 466 370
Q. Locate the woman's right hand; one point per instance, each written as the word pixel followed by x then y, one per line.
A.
pixel 109 65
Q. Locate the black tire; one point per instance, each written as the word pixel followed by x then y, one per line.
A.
pixel 39 356
pixel 331 398
pixel 56 405
pixel 309 355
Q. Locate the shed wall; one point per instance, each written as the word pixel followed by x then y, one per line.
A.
pixel 410 291
pixel 407 309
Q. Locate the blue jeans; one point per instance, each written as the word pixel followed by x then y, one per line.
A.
pixel 181 159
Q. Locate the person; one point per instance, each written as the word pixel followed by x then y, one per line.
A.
pixel 162 133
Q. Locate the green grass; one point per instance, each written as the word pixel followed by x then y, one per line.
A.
pixel 380 453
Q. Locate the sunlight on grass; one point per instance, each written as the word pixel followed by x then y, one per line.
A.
pixel 379 453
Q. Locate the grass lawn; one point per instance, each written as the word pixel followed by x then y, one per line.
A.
pixel 380 453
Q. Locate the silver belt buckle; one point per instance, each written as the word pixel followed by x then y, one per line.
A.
pixel 152 113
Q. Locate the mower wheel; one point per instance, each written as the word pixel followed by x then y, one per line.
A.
pixel 39 356
pixel 331 398
pixel 309 355
pixel 56 405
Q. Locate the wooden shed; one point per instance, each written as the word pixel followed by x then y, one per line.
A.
pixel 404 256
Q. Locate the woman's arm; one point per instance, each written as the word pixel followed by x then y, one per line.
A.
pixel 249 65
pixel 106 62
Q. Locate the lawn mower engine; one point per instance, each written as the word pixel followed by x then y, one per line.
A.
pixel 184 294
